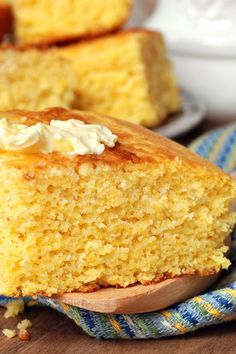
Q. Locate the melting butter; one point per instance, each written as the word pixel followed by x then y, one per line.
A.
pixel 72 136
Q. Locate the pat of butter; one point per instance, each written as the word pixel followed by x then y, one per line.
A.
pixel 70 136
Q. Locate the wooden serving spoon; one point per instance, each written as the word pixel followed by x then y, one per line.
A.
pixel 142 298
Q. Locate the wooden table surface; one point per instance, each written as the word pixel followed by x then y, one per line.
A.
pixel 53 333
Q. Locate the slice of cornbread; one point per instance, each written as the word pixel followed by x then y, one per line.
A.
pixel 142 211
pixel 34 79
pixel 126 75
pixel 50 21
pixel 6 19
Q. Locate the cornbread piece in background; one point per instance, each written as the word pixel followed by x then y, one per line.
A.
pixel 34 79
pixel 6 19
pixel 145 210
pixel 127 75
pixel 50 21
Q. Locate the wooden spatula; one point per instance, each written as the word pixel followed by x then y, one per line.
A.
pixel 140 298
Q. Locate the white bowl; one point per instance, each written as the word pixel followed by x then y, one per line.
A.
pixel 212 79
pixel 201 38
pixel 179 123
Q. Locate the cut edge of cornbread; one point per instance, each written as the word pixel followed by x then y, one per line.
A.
pixel 34 79
pixel 31 30
pixel 141 212
pixel 126 75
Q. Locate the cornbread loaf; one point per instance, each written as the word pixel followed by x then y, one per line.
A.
pixel 50 21
pixel 142 211
pixel 34 79
pixel 126 75
pixel 6 19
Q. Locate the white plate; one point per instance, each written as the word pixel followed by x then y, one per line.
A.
pixel 193 112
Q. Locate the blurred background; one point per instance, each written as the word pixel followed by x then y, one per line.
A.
pixel 201 40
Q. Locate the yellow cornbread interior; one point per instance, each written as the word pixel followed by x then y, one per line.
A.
pixel 66 227
pixel 50 20
pixel 34 80
pixel 127 76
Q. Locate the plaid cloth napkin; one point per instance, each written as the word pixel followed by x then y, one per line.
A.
pixel 216 306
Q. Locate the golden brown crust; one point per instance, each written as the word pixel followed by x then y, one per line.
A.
pixel 68 40
pixel 24 335
pixel 167 275
pixel 62 40
pixel 6 20
pixel 71 39
pixel 158 279
pixel 135 143
pixel 88 288
pixel 75 40
pixel 23 48
pixel 114 34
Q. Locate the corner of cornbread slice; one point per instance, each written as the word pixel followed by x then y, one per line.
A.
pixel 49 21
pixel 142 211
pixel 34 79
pixel 126 75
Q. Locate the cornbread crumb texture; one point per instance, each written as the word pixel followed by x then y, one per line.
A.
pixel 34 79
pixel 24 335
pixel 9 333
pixel 24 324
pixel 143 211
pixel 127 75
pixel 22 327
pixel 14 308
pixel 47 22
